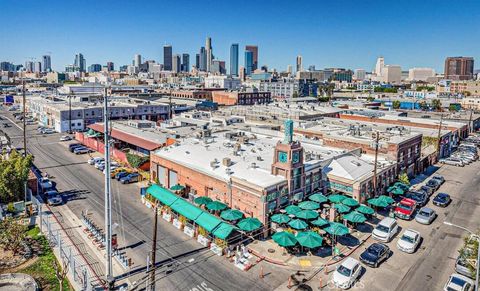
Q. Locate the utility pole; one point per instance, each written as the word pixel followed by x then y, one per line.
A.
pixel 439 136
pixel 24 118
pixel 377 138
pixel 470 124
pixel 108 198
pixel 154 248
pixel 70 114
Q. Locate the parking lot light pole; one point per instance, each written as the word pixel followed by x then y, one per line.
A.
pixel 478 249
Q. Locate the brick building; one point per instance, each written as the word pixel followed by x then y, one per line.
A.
pixel 241 98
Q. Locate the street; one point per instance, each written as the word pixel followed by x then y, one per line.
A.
pixel 82 186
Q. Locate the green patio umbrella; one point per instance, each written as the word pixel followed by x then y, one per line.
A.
pixel 341 208
pixel 391 188
pixel 319 222
pixel 177 187
pixel 355 217
pixel 320 198
pixel 280 218
pixel 336 198
pixel 231 214
pixel 202 200
pixel 298 224
pixel 350 202
pixel 284 239
pixel 364 209
pixel 387 199
pixel 377 202
pixel 309 205
pixel 306 214
pixel 402 186
pixel 249 224
pixel 309 239
pixel 335 228
pixel 292 209
pixel 397 191
pixel 216 206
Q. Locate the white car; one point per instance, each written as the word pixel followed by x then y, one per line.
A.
pixel 347 273
pixel 385 229
pixel 94 160
pixel 452 161
pixel 409 241
pixel 65 138
pixel 457 282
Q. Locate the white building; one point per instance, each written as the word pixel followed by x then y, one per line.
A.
pixel 360 74
pixel 420 74
pixel 226 82
pixel 392 74
pixel 379 66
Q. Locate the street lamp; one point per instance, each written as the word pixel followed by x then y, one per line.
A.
pixel 478 249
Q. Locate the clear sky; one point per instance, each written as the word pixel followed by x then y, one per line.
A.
pixel 348 33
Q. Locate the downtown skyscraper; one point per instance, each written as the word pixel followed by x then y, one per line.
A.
pixel 234 60
pixel 46 63
pixel 167 57
pixel 203 59
pixel 248 62
pixel 254 50
pixel 80 63
pixel 185 62
pixel 208 49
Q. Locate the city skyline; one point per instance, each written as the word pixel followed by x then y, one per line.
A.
pixel 334 39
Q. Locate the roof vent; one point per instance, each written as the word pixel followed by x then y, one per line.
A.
pixel 227 162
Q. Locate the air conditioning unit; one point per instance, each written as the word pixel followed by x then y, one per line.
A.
pixel 227 162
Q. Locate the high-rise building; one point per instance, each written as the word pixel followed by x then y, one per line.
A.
pixel 167 57
pixel 197 61
pixel 29 66
pixel 459 68
pixel 185 62
pixel 208 48
pixel 360 74
pixel 248 62
pixel 241 73
pixel 37 67
pixel 299 63
pixel 80 62
pixel 234 59
pixel 47 63
pixel 176 63
pixel 7 67
pixel 203 59
pixel 254 50
pixel 93 68
pixel 379 66
pixel 137 60
pixel 289 69
pixel 218 67
pixel 420 74
pixel 110 66
pixel 392 74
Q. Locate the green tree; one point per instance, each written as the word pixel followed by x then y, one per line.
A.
pixel 452 107
pixel 423 105
pixel 396 104
pixel 436 104
pixel 14 169
pixel 370 99
pixel 12 234
pixel 404 178
pixel 469 252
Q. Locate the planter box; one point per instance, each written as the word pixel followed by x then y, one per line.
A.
pixel 167 216
pixel 177 223
pixel 189 231
pixel 203 240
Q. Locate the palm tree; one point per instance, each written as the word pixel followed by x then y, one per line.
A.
pixel 437 104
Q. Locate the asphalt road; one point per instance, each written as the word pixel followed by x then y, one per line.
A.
pixel 82 186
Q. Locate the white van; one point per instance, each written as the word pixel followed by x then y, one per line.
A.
pixel 385 229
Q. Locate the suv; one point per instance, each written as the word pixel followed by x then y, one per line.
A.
pixel 385 229
pixel 130 178
pixel 405 208
pixel 452 161
pixel 73 146
pixel 421 197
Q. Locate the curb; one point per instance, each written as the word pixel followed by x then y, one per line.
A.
pixel 266 258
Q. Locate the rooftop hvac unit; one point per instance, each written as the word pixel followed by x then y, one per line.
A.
pixel 228 171
pixel 213 164
pixel 253 165
pixel 227 162
pixel 259 158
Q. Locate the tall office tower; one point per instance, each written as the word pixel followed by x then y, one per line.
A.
pixel 185 63
pixel 47 63
pixel 137 60
pixel 208 48
pixel 37 67
pixel 254 50
pixel 299 64
pixel 29 66
pixel 248 62
pixel 93 68
pixel 80 62
pixel 459 68
pixel 379 66
pixel 176 63
pixel 289 69
pixel 203 59
pixel 197 61
pixel 234 60
pixel 110 66
pixel 167 57
pixel 360 74
pixel 241 73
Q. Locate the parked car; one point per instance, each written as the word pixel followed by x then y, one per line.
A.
pixel 409 241
pixel 434 183
pixel 425 215
pixel 94 160
pixel 65 138
pixel 418 196
pixel 81 150
pixel 465 160
pixel 375 254
pixel 347 273
pixel 385 229
pixel 47 131
pixel 442 200
pixel 452 161
pixel 45 184
pixel 428 190
pixel 73 146
pixel 440 178
pixel 405 208
pixel 53 198
pixel 130 178
pixel 5 125
pixel 121 174
pixel 459 282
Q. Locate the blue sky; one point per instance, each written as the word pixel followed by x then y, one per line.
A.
pixel 330 33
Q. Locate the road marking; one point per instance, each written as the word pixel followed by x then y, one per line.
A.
pixel 305 263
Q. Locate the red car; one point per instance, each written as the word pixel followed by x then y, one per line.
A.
pixel 405 208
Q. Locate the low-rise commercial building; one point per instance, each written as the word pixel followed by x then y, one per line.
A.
pixel 240 97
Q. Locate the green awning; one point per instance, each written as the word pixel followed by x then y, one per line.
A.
pixel 223 230
pixel 207 221
pixel 177 187
pixel 161 194
pixel 186 209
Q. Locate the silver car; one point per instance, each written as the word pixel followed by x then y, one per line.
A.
pixel 452 161
pixel 425 215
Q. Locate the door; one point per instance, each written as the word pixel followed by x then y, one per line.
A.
pixel 161 172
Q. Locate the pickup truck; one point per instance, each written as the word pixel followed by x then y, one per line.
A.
pixel 405 208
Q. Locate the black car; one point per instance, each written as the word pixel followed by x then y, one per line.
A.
pixel 434 183
pixel 73 146
pixel 6 125
pixel 419 196
pixel 428 190
pixel 442 200
pixel 375 254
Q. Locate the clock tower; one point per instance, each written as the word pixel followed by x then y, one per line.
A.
pixel 288 161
